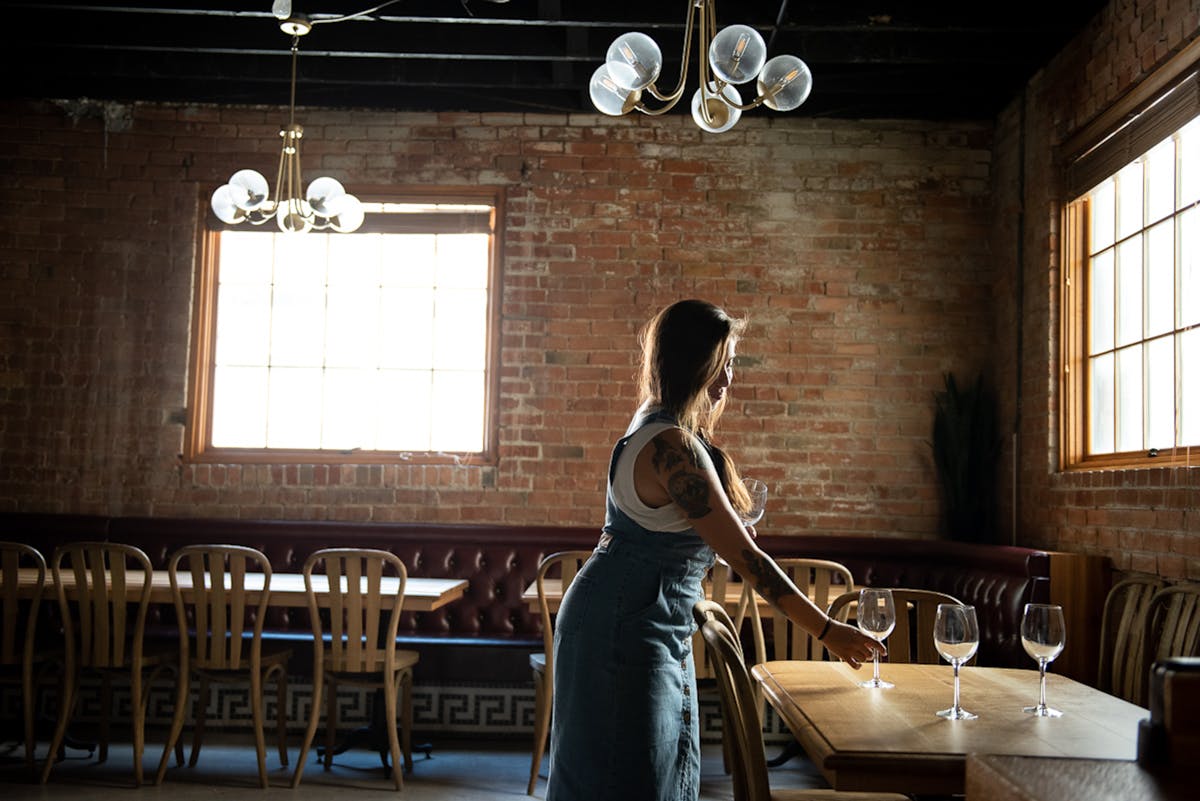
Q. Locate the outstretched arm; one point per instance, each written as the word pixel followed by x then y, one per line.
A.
pixel 683 470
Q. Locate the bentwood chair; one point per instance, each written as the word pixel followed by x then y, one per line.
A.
pixel 916 610
pixel 354 643
pixel 104 623
pixel 1123 651
pixel 1172 627
pixel 18 630
pixel 220 640
pixel 741 723
pixel 563 565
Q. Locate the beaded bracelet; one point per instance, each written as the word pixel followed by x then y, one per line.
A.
pixel 824 631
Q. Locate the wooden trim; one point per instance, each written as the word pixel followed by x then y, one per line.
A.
pixel 1079 583
pixel 1072 390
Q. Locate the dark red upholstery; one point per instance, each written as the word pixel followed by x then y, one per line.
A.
pixel 500 561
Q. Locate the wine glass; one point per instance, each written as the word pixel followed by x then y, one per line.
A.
pixel 1043 633
pixel 758 500
pixel 876 618
pixel 956 636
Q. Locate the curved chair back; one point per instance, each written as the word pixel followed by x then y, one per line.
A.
pixel 218 601
pixel 1172 626
pixel 916 610
pixel 822 580
pixel 1123 656
pixel 351 589
pixel 22 581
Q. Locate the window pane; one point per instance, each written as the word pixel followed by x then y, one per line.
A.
pixel 459 329
pixel 1160 393
pixel 251 257
pixel 354 260
pixel 1129 399
pixel 1160 279
pixel 462 261
pixel 294 409
pixel 405 406
pixel 240 407
pixel 298 326
pixel 1160 181
pixel 1129 200
pixel 1102 210
pixel 244 336
pixel 352 326
pixel 343 424
pixel 1189 268
pixel 1189 163
pixel 1129 291
pixel 1100 391
pixel 406 338
pixel 1189 392
pixel 408 260
pixel 458 410
pixel 1101 303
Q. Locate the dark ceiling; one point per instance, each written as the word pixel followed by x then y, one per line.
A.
pixel 921 59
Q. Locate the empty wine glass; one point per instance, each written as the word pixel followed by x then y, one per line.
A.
pixel 758 500
pixel 876 618
pixel 956 636
pixel 1043 633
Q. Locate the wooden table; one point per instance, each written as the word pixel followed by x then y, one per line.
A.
pixel 992 777
pixel 890 740
pixel 287 589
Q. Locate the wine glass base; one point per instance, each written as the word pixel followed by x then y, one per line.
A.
pixel 1043 711
pixel 876 683
pixel 956 713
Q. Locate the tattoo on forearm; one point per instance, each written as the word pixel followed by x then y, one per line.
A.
pixel 771 583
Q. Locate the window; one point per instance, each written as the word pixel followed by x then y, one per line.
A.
pixel 366 347
pixel 1132 295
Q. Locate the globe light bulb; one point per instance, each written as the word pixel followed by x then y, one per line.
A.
pixel 225 204
pixel 325 196
pixel 736 54
pixel 254 185
pixel 634 61
pixel 295 217
pixel 785 82
pixel 608 97
pixel 350 215
pixel 721 115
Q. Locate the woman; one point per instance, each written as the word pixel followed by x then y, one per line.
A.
pixel 625 721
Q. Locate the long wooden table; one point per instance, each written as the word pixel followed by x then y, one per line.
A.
pixel 1011 778
pixel 287 589
pixel 891 740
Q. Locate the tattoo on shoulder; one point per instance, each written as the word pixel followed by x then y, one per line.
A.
pixel 668 457
pixel 768 579
pixel 686 486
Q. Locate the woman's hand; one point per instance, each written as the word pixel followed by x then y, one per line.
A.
pixel 851 645
pixel 751 531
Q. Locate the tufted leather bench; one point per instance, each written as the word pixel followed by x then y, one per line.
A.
pixel 486 635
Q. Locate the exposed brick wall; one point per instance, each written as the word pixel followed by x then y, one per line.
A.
pixel 1147 521
pixel 859 251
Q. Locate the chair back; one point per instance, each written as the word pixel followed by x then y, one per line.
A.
pixel 103 593
pixel 360 639
pixel 564 565
pixel 1123 657
pixel 820 579
pixel 18 615
pixel 740 721
pixel 220 616
pixel 1172 626
pixel 916 611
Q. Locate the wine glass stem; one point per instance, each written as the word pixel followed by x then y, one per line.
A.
pixel 956 706
pixel 1042 683
pixel 877 667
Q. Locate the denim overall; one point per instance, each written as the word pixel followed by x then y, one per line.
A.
pixel 625 723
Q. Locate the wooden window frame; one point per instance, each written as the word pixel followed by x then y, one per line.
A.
pixel 202 360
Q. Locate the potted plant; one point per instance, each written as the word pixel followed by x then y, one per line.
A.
pixel 966 450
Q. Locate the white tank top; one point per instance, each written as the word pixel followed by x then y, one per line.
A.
pixel 661 518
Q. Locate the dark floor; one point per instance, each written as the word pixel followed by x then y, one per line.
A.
pixel 468 770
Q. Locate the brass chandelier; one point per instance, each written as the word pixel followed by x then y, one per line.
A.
pixel 727 58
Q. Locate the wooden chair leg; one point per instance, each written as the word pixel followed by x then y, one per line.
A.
pixel 65 707
pixel 201 716
pixel 105 715
pixel 175 735
pixel 406 718
pixel 139 724
pixel 330 723
pixel 30 702
pixel 314 715
pixel 281 714
pixel 256 713
pixel 541 728
pixel 390 690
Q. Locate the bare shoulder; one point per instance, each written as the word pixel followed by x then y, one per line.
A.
pixel 673 450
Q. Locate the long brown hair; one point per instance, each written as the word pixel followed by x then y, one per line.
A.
pixel 684 349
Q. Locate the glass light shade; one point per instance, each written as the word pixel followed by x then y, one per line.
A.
pixel 608 97
pixel 254 185
pixel 350 215
pixel 722 115
pixel 736 54
pixel 225 203
pixel 326 195
pixel 294 217
pixel 789 78
pixel 634 61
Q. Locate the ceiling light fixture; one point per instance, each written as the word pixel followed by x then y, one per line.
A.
pixel 325 205
pixel 733 56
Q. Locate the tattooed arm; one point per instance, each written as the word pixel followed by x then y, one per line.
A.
pixel 676 468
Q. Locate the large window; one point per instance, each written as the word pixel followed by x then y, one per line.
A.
pixel 366 347
pixel 1132 303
